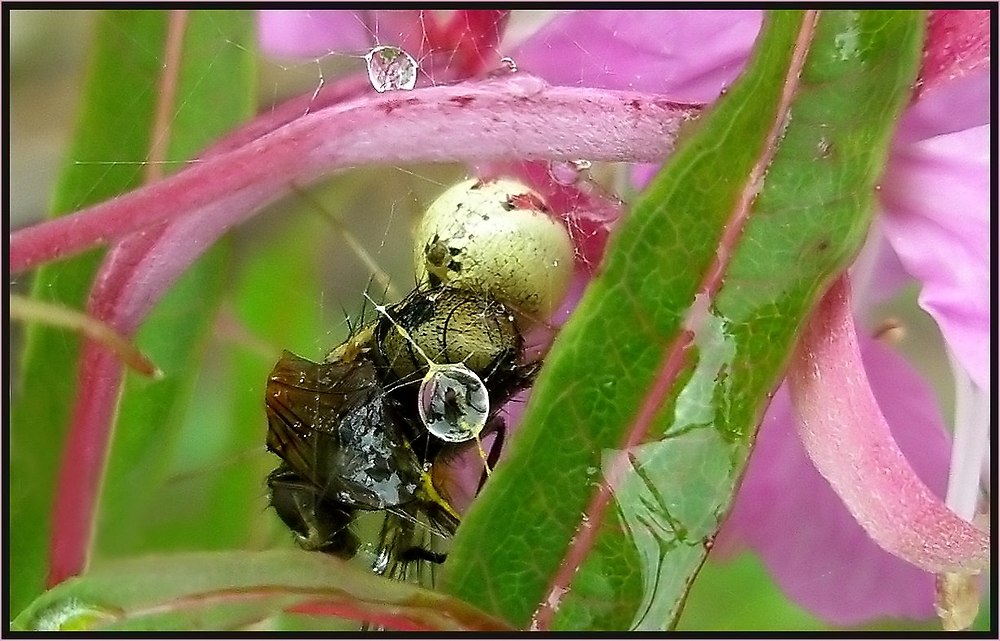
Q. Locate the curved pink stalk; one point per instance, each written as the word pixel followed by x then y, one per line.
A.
pixel 98 383
pixel 849 442
pixel 517 117
pixel 133 277
pixel 100 376
pixel 341 90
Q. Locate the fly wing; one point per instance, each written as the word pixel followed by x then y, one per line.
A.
pixel 304 398
pixel 334 425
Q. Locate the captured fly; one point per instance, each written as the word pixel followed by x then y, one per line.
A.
pixel 352 431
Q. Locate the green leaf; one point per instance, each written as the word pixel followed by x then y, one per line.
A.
pixel 114 134
pixel 117 91
pixel 231 590
pixel 216 85
pixel 641 423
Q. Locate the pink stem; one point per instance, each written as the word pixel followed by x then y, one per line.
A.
pixel 517 117
pixel 100 374
pixel 99 383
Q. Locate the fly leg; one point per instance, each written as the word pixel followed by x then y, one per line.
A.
pixel 498 426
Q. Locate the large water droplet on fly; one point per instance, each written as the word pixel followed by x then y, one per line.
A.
pixel 454 403
pixel 391 68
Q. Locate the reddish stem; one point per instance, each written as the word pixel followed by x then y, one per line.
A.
pixel 100 373
pixel 514 117
pixel 98 385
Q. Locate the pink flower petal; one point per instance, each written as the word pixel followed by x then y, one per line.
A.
pixel 813 547
pixel 690 55
pixel 848 439
pixel 310 34
pixel 936 196
pixel 959 104
pixel 876 275
pixel 447 49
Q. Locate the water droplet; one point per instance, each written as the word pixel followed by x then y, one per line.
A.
pixel 568 172
pixel 823 147
pixel 391 68
pixel 508 62
pixel 453 402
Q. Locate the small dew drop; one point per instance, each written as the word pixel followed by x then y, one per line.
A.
pixel 568 172
pixel 508 62
pixel 823 147
pixel 391 68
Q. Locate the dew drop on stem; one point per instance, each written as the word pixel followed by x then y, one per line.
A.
pixel 390 69
pixel 568 172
